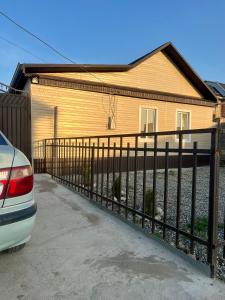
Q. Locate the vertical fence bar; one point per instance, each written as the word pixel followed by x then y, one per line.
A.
pixel 120 172
pixel 75 167
pixel 89 165
pixel 60 158
pixel 97 170
pixel 64 159
pixel 144 183
pixel 53 158
pixel 165 200
pixel 79 166
pixel 179 173
pixel 127 177
pixel 154 182
pixel 113 174
pixel 193 197
pixel 135 176
pixel 92 169
pixel 213 201
pixel 85 170
pixel 65 176
pixel 107 172
pixel 55 153
pixel 59 155
pixel 70 161
pixel 51 162
pixel 82 165
pixel 45 156
pixel 67 163
pixel 102 170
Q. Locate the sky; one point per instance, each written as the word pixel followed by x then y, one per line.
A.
pixel 114 31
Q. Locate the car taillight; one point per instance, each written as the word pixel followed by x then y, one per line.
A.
pixel 4 176
pixel 16 181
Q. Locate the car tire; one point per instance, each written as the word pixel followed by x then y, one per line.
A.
pixel 14 249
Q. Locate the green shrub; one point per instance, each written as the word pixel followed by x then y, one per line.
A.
pixel 149 201
pixel 172 173
pixel 201 227
pixel 116 187
pixel 158 234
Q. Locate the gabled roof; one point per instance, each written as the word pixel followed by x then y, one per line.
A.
pixel 25 70
pixel 217 87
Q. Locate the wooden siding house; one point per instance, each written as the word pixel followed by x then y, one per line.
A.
pixel 157 92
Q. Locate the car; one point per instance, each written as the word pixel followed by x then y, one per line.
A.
pixel 17 205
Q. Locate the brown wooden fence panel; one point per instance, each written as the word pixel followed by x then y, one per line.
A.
pixel 15 120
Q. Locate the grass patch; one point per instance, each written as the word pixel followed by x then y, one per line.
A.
pixel 172 173
pixel 158 235
pixel 201 227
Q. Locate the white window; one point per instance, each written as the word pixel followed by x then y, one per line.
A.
pixel 183 123
pixel 148 120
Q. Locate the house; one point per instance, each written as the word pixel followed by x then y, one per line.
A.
pixel 217 88
pixel 156 92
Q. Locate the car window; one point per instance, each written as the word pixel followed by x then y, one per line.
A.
pixel 2 140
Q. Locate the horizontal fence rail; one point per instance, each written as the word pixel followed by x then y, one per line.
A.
pixel 150 180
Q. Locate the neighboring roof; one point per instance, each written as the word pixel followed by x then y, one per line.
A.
pixel 24 70
pixel 217 87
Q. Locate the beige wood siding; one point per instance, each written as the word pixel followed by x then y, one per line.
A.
pixel 82 113
pixel 156 73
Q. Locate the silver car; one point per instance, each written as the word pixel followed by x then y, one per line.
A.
pixel 17 205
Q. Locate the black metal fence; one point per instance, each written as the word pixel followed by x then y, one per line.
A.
pixel 143 179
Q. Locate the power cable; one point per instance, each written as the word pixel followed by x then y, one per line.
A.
pixel 36 37
pixel 21 48
pixel 47 44
pixel 52 48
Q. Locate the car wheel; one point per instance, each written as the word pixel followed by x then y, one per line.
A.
pixel 14 249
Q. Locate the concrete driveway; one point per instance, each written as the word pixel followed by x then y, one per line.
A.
pixel 80 252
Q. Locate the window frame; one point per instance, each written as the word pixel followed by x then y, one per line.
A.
pixel 188 139
pixel 147 138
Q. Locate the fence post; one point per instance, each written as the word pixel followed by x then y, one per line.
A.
pixel 213 201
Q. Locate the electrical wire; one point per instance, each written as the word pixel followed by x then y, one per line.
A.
pixel 47 45
pixel 55 51
pixel 35 36
pixel 21 48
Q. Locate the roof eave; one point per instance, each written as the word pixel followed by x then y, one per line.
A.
pixel 60 68
pixel 19 78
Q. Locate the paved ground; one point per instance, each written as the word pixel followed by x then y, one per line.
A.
pixel 79 252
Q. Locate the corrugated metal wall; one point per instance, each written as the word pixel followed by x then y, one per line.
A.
pixel 15 120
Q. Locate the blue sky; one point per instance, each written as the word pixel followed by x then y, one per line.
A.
pixel 115 31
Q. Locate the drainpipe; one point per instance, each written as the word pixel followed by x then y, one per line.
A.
pixel 55 122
